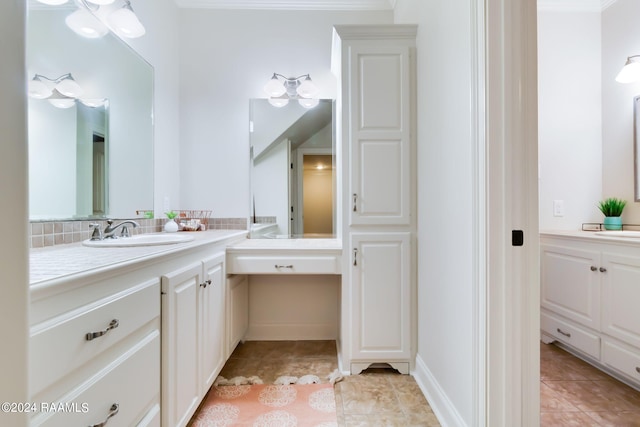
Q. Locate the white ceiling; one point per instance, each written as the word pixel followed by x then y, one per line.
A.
pixel 290 4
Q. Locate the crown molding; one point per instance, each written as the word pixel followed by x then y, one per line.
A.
pixel 289 4
pixel 574 5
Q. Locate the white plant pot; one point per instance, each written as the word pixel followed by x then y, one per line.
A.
pixel 171 226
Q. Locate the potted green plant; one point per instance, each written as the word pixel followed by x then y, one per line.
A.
pixel 171 226
pixel 612 208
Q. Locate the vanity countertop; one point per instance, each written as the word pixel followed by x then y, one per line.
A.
pixel 591 236
pixel 286 245
pixel 64 260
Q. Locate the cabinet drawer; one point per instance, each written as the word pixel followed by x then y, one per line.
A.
pixel 93 401
pixel 568 333
pixel 60 345
pixel 622 358
pixel 257 264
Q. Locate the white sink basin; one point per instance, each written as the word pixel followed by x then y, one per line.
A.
pixel 620 233
pixel 140 240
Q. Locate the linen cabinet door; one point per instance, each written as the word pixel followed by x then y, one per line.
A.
pixel 381 289
pixel 180 382
pixel 380 138
pixel 211 321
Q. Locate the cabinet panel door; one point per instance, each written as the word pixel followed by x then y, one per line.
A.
pixel 380 135
pixel 180 383
pixel 571 283
pixel 238 311
pixel 211 317
pixel 621 297
pixel 380 278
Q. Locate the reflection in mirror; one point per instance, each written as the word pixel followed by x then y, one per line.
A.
pixel 75 142
pixel 293 181
pixel 636 147
pixel 94 159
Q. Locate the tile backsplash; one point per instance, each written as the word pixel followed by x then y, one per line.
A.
pixel 50 233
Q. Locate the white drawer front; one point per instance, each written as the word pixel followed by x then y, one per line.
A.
pixel 568 333
pixel 255 264
pixel 622 358
pixel 60 345
pixel 113 385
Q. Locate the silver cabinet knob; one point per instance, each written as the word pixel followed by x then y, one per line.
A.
pixel 603 270
pixel 594 268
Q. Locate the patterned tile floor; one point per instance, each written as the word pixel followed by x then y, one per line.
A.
pixel 574 393
pixel 377 397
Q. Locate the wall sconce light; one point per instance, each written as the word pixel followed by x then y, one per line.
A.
pixel 631 70
pixel 64 93
pixel 280 91
pixel 93 18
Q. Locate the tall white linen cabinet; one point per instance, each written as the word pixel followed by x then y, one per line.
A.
pixel 375 68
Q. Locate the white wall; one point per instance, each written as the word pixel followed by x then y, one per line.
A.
pixel 570 110
pixel 445 178
pixel 14 304
pixel 226 57
pixel 620 38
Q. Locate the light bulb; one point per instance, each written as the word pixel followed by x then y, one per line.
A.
pixel 69 87
pixel 308 102
pixel 307 89
pixel 278 102
pixel 630 72
pixel 274 87
pixel 125 23
pixel 82 22
pixel 38 90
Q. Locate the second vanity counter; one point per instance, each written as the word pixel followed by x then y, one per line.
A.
pixel 285 256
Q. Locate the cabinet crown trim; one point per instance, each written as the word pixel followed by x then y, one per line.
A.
pixel 377 32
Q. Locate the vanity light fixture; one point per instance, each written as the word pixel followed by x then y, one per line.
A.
pixel 63 94
pixel 631 71
pixel 280 91
pixel 94 18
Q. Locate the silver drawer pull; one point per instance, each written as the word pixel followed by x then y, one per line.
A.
pixel 112 411
pixel 93 335
pixel 566 334
pixel 355 202
pixel 594 268
pixel 284 266
pixel 638 369
pixel 603 270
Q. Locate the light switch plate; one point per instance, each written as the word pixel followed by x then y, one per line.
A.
pixel 558 208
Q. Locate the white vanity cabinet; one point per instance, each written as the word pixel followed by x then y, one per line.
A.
pixel 193 334
pixel 375 65
pixel 589 296
pixel 127 336
pixel 89 337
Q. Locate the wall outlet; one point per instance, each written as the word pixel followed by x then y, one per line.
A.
pixel 558 208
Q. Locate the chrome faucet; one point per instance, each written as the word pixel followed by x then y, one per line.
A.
pixel 110 229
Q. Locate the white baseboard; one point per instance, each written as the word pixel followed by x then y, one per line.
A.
pixel 442 407
pixel 291 332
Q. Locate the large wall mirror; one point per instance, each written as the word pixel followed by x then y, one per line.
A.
pixel 293 180
pixel 93 159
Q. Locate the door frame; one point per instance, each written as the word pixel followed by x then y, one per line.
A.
pixel 506 39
